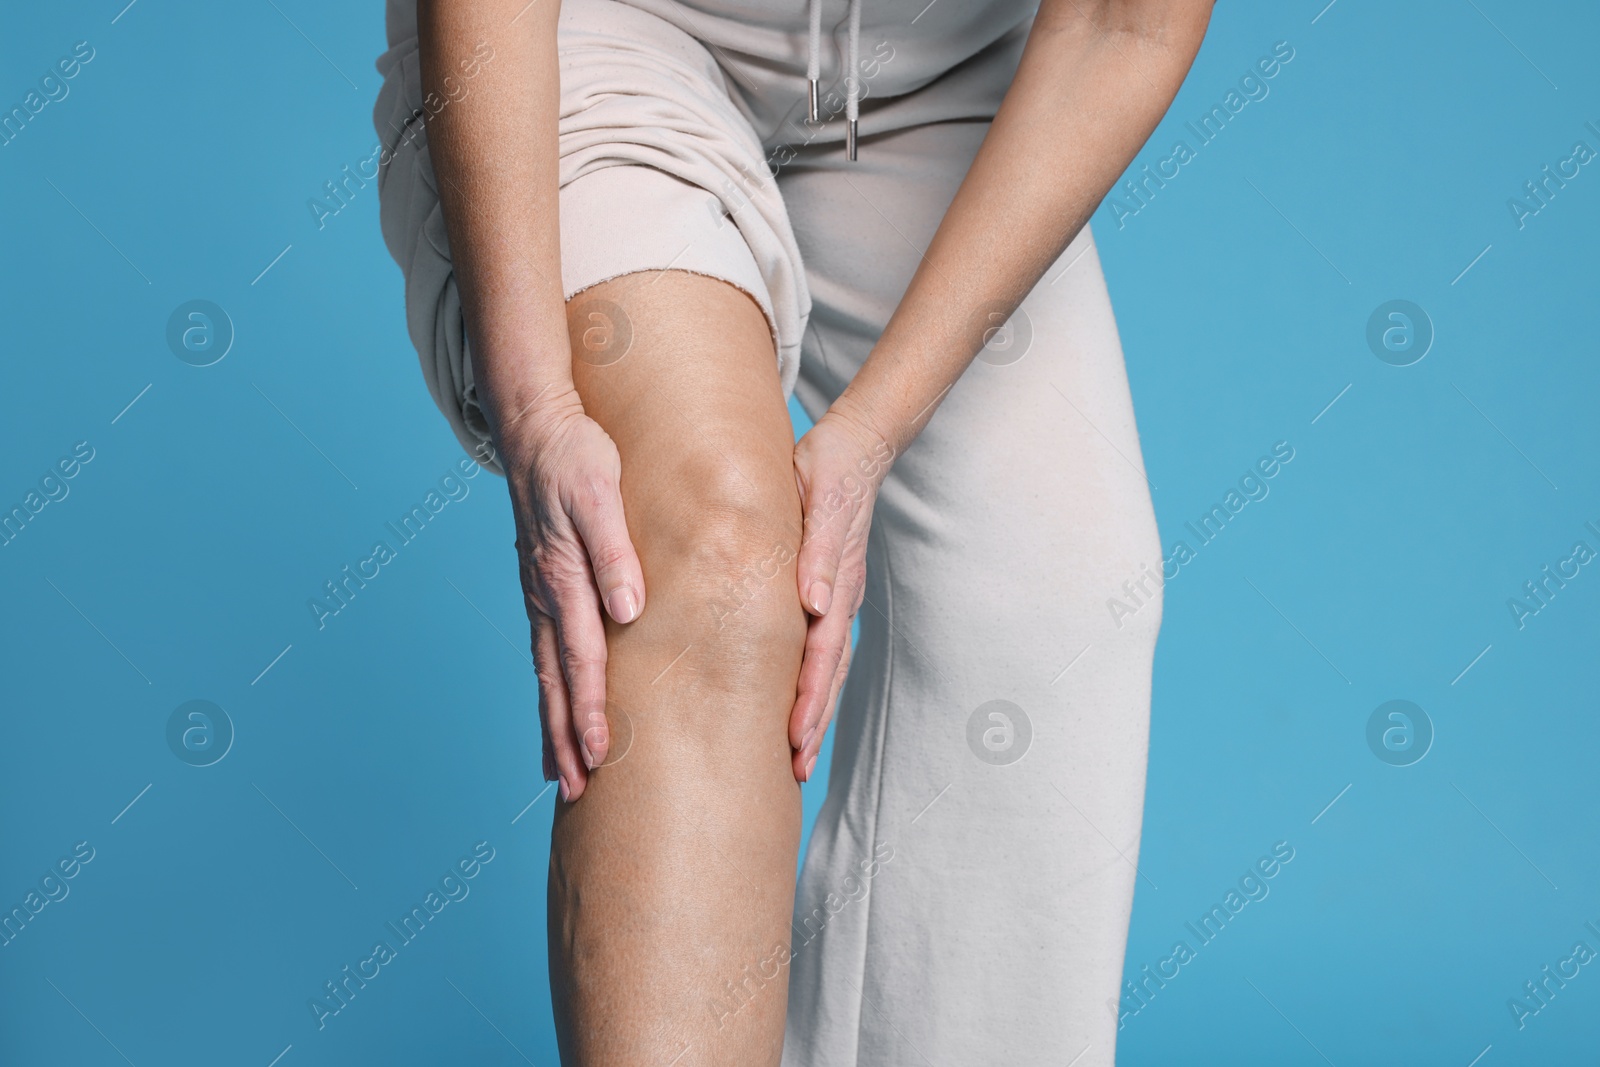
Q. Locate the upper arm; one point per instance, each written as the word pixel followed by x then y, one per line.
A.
pixel 1165 23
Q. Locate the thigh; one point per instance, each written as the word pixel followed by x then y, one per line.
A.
pixel 1034 453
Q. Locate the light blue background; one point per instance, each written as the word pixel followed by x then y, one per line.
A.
pixel 375 753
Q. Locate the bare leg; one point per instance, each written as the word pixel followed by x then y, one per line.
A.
pixel 672 876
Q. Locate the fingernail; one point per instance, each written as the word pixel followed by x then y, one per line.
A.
pixel 805 741
pixel 810 763
pixel 622 605
pixel 565 790
pixel 820 595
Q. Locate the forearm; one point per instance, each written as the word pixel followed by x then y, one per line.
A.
pixel 495 155
pixel 1094 80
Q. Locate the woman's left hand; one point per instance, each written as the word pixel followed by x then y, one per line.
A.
pixel 839 465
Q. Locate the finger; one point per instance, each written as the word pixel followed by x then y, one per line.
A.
pixel 565 765
pixel 597 513
pixel 582 638
pixel 805 759
pixel 826 641
pixel 547 748
pixel 830 507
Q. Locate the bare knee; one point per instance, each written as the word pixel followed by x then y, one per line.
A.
pixel 738 563
pixel 696 409
pixel 726 560
pixel 718 546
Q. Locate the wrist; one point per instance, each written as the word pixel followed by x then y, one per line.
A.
pixel 877 432
pixel 872 451
pixel 521 375
pixel 523 422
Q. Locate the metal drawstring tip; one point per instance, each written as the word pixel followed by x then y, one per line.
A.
pixel 850 140
pixel 813 112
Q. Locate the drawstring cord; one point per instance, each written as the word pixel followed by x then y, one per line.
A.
pixel 852 83
pixel 814 59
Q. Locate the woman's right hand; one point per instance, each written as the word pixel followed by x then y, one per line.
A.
pixel 574 555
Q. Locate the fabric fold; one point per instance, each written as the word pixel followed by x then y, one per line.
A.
pixel 635 92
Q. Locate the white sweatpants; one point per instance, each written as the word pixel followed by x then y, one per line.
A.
pixel 966 895
pixel 1000 838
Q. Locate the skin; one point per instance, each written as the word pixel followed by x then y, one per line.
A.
pixel 676 872
pixel 674 880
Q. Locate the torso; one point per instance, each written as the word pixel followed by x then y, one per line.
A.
pixel 904 46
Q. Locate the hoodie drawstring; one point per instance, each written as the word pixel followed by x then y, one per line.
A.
pixel 852 83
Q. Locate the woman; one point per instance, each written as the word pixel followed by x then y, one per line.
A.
pixel 629 230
